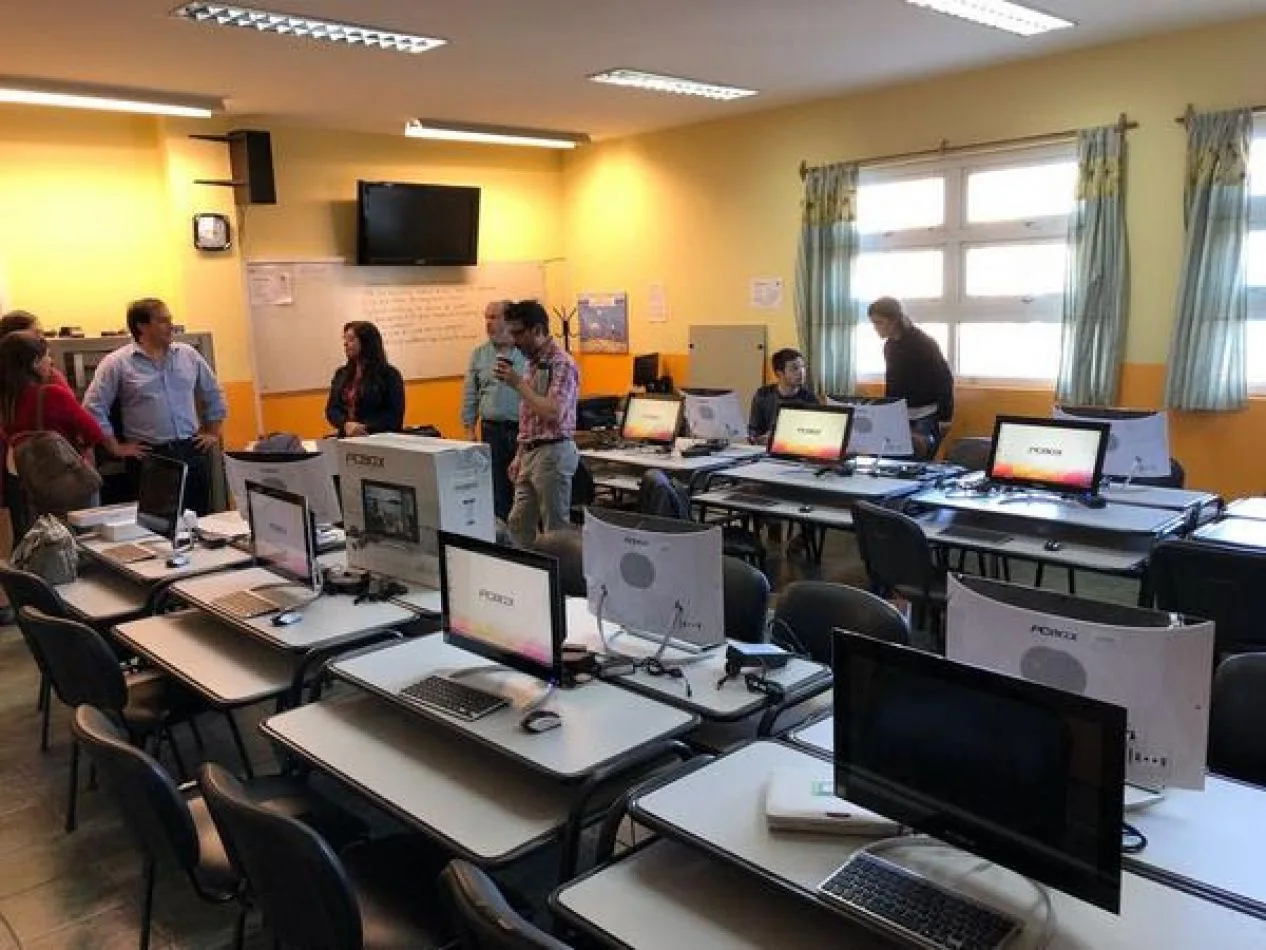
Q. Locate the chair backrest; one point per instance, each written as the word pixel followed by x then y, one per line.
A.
pixel 566 547
pixel 893 547
pixel 295 877
pixel 1217 583
pixel 1236 745
pixel 657 495
pixel 808 611
pixel 153 809
pixel 971 452
pixel 80 664
pixel 583 489
pixel 24 589
pixel 481 916
pixel 746 592
pixel 1177 477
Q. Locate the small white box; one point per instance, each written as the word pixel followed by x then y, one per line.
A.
pixel 399 490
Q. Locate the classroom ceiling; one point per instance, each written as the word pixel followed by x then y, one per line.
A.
pixel 524 62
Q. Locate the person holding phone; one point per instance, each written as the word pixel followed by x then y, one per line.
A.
pixel 367 392
pixel 494 404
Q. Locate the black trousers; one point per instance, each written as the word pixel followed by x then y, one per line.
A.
pixel 19 517
pixel 197 481
pixel 502 439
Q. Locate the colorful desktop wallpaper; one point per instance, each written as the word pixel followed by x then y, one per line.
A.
pixel 812 436
pixel 651 419
pixel 1043 454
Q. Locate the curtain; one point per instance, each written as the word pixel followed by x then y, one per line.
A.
pixel 825 309
pixel 1096 295
pixel 1208 350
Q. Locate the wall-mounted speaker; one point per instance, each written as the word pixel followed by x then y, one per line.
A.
pixel 251 161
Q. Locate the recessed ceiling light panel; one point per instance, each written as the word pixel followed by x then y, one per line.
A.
pixel 285 24
pixel 491 134
pixel 999 14
pixel 654 82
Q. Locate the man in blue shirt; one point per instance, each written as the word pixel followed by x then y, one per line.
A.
pixel 494 404
pixel 159 385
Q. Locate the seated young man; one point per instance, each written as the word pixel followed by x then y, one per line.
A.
pixel 787 389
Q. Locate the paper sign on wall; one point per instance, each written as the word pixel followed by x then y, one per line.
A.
pixel 657 303
pixel 766 293
pixel 271 286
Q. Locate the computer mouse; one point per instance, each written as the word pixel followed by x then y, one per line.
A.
pixel 286 618
pixel 806 508
pixel 1053 545
pixel 178 560
pixel 540 720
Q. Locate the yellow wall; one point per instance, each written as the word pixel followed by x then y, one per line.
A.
pixel 706 208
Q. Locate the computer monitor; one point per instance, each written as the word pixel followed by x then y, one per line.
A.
pixel 651 419
pixel 1138 441
pixel 160 498
pixel 283 535
pixel 817 435
pixel 1152 662
pixel 391 511
pixel 310 474
pixel 880 426
pixel 1018 773
pixel 714 416
pixel 505 604
pixel 660 578
pixel 646 369
pixel 1047 454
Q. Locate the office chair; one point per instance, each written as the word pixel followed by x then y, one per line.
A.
pixel 1177 477
pixel 375 896
pixel 746 596
pixel 24 589
pixel 83 670
pixel 899 561
pixel 1236 746
pixel 658 495
pixel 482 917
pixel 583 492
pixel 971 452
pixel 808 611
pixel 565 546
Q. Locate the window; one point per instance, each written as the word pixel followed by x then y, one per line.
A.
pixel 977 248
pixel 1256 264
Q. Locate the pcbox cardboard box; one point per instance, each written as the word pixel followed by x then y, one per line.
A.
pixel 398 490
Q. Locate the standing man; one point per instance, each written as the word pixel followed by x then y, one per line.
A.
pixel 546 460
pixel 159 384
pixel 494 404
pixel 787 389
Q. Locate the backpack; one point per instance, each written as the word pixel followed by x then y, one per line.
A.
pixel 53 474
pixel 48 549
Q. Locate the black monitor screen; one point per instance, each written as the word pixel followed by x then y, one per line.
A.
pixel 160 498
pixel 402 223
pixel 391 511
pixel 646 369
pixel 1021 774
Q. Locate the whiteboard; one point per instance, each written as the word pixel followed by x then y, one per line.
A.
pixel 430 317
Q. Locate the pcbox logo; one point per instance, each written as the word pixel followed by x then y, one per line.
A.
pixel 1044 631
pixel 366 461
pixel 505 600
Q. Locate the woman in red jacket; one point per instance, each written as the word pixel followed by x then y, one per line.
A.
pixel 25 371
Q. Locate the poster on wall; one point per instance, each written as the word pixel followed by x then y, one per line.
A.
pixel 604 322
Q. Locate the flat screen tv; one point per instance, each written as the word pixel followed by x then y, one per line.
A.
pixel 405 224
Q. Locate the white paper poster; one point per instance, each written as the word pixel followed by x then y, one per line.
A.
pixel 766 293
pixel 657 303
pixel 271 286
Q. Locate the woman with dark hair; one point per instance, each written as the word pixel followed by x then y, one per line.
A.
pixel 16 320
pixel 25 373
pixel 367 392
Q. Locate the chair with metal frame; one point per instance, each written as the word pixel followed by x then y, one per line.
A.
pixel 483 918
pixel 899 561
pixel 566 547
pixel 1236 745
pixel 746 595
pixel 808 611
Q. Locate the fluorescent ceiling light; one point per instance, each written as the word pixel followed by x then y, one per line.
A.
pixel 285 24
pixel 491 134
pixel 1000 14
pixel 38 92
pixel 674 84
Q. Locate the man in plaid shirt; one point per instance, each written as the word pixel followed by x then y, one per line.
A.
pixel 546 459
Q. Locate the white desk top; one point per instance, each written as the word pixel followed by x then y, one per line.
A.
pixel 1116 518
pixel 721 809
pixel 1247 508
pixel 732 701
pixel 100 596
pixel 794 478
pixel 1241 532
pixel 601 722
pixel 211 657
pixel 419 598
pixel 1149 496
pixel 227 524
pixel 670 461
pixel 327 621
pixel 765 503
pixel 816 737
pixel 202 560
pixel 433 777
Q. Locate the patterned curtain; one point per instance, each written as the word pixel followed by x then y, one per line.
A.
pixel 1096 295
pixel 825 310
pixel 1208 351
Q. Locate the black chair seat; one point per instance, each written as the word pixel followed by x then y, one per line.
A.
pixel 936 592
pixel 390 877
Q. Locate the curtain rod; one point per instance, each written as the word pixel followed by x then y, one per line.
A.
pixel 1123 123
pixel 1191 110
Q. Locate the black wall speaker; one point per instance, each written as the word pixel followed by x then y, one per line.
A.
pixel 251 161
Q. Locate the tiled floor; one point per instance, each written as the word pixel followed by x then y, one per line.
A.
pixel 82 891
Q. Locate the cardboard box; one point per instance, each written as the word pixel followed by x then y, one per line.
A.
pixel 398 490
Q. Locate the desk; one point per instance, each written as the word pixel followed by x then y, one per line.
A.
pixel 1114 518
pixel 1254 508
pixel 817 738
pixel 100 597
pixel 202 560
pixel 1239 532
pixel 718 809
pixel 601 723
pixel 671 462
pixel 1198 506
pixel 768 503
pixel 330 620
pixel 794 480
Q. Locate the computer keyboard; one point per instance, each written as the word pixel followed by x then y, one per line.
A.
pixel 454 698
pixel 924 914
pixel 979 535
pixel 129 552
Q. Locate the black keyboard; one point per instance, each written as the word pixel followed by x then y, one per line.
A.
pixel 457 699
pixel 923 913
pixel 980 535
